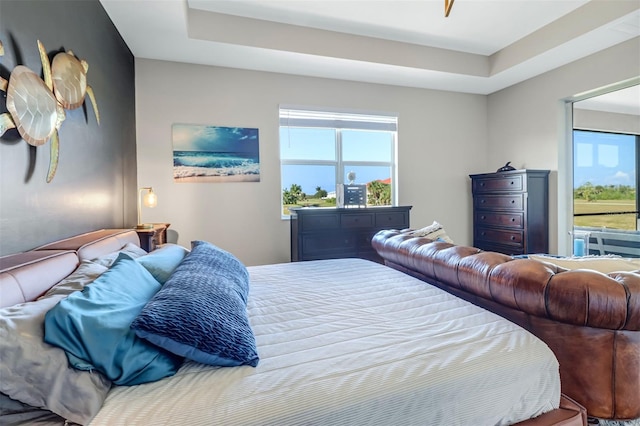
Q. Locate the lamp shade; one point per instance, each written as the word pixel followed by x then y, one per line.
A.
pixel 150 199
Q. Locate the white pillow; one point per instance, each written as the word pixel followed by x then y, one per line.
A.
pixel 600 264
pixel 433 232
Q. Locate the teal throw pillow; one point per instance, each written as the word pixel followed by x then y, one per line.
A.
pixel 93 327
pixel 163 261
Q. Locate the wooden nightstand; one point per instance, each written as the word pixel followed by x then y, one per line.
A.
pixel 152 237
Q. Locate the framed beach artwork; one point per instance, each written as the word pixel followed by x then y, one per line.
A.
pixel 215 154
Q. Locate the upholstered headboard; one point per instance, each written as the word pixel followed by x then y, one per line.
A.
pixel 96 243
pixel 26 276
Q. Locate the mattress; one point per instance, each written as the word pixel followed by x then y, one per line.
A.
pixel 351 342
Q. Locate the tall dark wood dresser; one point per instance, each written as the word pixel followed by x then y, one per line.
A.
pixel 511 211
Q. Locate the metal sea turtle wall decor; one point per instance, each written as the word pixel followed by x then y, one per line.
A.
pixel 36 107
pixel 70 86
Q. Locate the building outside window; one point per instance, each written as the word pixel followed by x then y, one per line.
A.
pixel 322 150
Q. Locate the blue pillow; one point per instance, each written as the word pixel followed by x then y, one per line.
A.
pixel 161 262
pixel 93 327
pixel 201 311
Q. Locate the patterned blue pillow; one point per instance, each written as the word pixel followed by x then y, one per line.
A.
pixel 201 311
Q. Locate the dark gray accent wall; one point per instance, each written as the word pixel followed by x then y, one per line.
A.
pixel 95 185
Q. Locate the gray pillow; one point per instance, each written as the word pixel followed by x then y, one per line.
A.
pixel 131 249
pixel 15 413
pixel 83 275
pixel 38 374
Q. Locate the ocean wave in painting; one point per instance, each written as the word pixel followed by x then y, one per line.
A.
pixel 203 163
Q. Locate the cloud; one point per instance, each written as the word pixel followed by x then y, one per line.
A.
pixel 619 178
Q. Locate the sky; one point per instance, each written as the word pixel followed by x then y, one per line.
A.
pixel 192 137
pixel 320 144
pixel 604 158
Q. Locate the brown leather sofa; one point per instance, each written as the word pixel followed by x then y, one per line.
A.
pixel 590 320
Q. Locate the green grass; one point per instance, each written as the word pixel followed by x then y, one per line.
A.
pixel 626 221
pixel 310 202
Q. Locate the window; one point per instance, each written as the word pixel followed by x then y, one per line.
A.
pixel 605 179
pixel 605 193
pixel 320 150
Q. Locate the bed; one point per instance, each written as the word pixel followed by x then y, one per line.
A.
pixel 344 341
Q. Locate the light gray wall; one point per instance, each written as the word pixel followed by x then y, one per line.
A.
pixel 526 122
pixel 442 138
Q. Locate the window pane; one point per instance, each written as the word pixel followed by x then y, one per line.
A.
pixel 309 178
pixel 366 174
pixel 359 145
pixel 604 180
pixel 378 179
pixel 307 144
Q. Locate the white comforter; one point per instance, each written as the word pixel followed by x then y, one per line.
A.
pixel 350 342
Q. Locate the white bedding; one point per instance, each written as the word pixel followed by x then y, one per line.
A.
pixel 347 341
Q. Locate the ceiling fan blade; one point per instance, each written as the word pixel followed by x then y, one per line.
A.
pixel 447 7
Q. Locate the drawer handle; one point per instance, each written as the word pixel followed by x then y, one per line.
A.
pixel 483 233
pixel 483 201
pixel 483 217
pixel 481 183
pixel 513 219
pixel 512 182
pixel 513 201
pixel 513 238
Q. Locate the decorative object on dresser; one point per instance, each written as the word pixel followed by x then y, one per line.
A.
pixel 330 233
pixel 150 238
pixel 511 211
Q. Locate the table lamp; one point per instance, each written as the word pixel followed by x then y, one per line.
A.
pixel 149 199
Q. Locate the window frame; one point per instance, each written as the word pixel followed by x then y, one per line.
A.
pixel 340 120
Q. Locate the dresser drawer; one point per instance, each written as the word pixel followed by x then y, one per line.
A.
pixel 323 221
pixel 357 220
pixel 316 246
pixel 393 220
pixel 499 236
pixel 500 248
pixel 503 202
pixel 510 220
pixel 497 184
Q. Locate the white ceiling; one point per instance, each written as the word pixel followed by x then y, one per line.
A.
pixel 623 101
pixel 482 47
